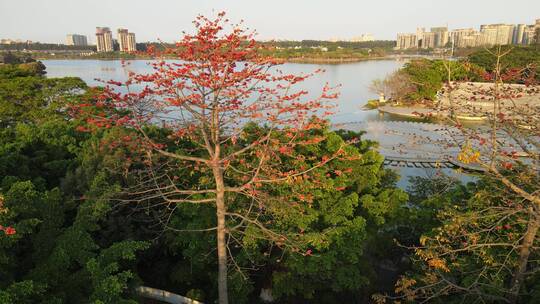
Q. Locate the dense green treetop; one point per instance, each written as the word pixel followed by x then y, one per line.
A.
pixel 57 255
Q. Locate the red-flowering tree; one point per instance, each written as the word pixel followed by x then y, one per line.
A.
pixel 218 86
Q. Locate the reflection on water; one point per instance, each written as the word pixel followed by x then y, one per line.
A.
pixel 406 172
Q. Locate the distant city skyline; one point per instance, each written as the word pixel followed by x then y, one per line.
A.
pixel 50 21
pixel 487 35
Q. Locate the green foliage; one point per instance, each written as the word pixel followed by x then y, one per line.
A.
pixel 517 58
pixel 428 76
pixel 327 50
pixel 21 292
pixel 14 59
pixel 108 280
pixel 348 205
pixel 26 96
pixel 322 53
pixel 372 104
pixel 59 249
pixel 37 46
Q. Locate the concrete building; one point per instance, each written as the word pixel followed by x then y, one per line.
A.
pixel 438 37
pixel 132 44
pixel 498 34
pixel 75 39
pixel 126 41
pixel 16 41
pixel 489 35
pixel 473 40
pixel 420 34
pixel 458 37
pixel 104 40
pixel 529 34
pixel 406 41
pixel 441 36
pixel 123 39
pixel 519 31
pixel 428 41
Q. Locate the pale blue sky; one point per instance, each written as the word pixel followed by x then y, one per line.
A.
pixel 51 20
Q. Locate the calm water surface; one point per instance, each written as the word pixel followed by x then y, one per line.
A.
pixel 354 79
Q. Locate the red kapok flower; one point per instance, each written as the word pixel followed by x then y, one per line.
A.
pixel 9 230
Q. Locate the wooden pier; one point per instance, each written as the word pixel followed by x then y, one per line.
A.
pixel 414 144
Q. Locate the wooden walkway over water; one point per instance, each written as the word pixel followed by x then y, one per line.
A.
pixel 413 144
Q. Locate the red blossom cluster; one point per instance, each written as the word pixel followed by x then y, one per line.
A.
pixel 8 230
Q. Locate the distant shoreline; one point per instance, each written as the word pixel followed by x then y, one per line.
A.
pixel 288 60
pixel 300 60
pixel 315 60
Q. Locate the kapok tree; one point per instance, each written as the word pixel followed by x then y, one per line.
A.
pixel 217 86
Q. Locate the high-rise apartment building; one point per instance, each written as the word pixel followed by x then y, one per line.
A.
pixel 420 34
pixel 497 34
pixel 75 39
pixel 519 31
pixel 441 36
pixel 428 41
pixel 461 37
pixel 489 35
pixel 406 41
pixel 132 44
pixel 436 38
pixel 126 40
pixel 104 40
pixel 529 34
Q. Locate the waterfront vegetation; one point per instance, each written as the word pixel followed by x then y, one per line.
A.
pixel 419 81
pixel 62 55
pixel 518 58
pixel 95 199
pixel 326 51
pixel 321 54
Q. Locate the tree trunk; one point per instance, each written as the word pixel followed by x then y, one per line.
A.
pixel 524 253
pixel 221 234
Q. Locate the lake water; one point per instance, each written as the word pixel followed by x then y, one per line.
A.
pixel 354 79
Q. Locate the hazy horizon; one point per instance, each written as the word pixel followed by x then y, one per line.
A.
pixel 50 21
